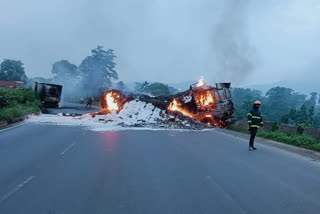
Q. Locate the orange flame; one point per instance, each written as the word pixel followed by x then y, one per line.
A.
pixel 204 98
pixel 200 82
pixel 111 102
pixel 176 106
pixel 173 106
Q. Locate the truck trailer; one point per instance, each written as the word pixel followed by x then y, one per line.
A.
pixel 49 94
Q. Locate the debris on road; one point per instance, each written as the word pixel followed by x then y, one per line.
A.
pixel 200 107
pixel 208 105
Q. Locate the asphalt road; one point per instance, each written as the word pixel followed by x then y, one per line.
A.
pixel 69 170
pixel 71 108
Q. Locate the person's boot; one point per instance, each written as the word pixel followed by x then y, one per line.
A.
pixel 251 148
pixel 254 148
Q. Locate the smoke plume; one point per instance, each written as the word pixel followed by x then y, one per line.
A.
pixel 234 57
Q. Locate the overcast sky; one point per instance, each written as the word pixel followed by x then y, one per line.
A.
pixel 169 40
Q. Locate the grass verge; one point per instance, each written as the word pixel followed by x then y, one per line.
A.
pixel 295 140
pixel 19 110
pixel 16 103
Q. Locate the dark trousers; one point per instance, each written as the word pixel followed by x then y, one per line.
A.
pixel 253 132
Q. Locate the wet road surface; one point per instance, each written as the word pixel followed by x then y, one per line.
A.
pixel 71 170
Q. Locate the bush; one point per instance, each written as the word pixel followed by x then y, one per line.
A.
pixel 301 127
pixel 19 95
pixel 158 89
pixel 17 102
pixel 296 140
pixel 3 100
pixel 275 127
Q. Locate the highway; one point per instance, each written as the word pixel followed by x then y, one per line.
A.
pixel 46 169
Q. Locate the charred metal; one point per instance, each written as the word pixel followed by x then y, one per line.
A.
pixel 209 105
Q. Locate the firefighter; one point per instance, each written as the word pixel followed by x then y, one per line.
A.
pixel 89 102
pixel 254 121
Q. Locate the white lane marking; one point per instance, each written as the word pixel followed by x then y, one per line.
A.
pixel 16 189
pixel 69 147
pixel 2 130
pixel 226 194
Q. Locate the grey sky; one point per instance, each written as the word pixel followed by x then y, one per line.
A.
pixel 169 40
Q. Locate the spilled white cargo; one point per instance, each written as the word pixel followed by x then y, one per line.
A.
pixel 134 114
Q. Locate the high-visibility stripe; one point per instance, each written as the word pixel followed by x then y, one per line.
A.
pixel 255 126
pixel 261 122
pixel 249 121
pixel 255 117
pixel 249 114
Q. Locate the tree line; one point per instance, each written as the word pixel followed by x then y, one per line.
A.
pixel 95 74
pixel 280 104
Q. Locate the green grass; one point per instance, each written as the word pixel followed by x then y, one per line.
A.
pixel 9 113
pixel 295 140
pixel 17 102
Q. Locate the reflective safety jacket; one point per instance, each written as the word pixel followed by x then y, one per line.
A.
pixel 255 118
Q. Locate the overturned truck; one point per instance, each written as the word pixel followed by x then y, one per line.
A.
pixel 210 105
pixel 203 103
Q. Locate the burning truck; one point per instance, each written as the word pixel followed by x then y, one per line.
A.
pixel 203 103
pixel 207 104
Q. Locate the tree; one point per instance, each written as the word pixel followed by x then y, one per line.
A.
pixel 121 86
pixel 285 119
pixel 158 89
pixel 316 120
pixel 141 87
pixel 312 101
pixel 239 95
pixel 279 105
pixel 98 69
pixel 310 116
pixel 137 87
pixel 242 112
pixel 68 75
pixel 302 115
pixel 243 99
pixel 279 102
pixel 12 70
pixel 63 70
pixel 292 117
pixel 173 90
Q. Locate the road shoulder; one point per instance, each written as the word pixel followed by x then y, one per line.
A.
pixel 314 156
pixel 16 121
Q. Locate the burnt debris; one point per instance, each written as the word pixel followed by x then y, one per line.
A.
pixel 200 105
